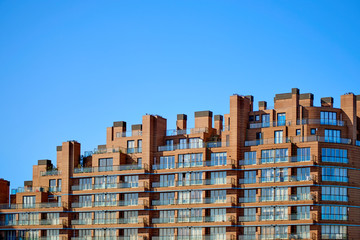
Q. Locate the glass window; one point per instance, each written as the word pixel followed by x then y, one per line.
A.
pixel 265 120
pixel 328 118
pixel 298 132
pixel 105 164
pixel 29 201
pixel 278 137
pixel 333 232
pixel 182 143
pixel 332 135
pixel 303 154
pixel 303 174
pixel 257 117
pixel 195 143
pixel 313 131
pixel 334 174
pixel 249 196
pixel 281 118
pixel 334 213
pixel 190 160
pixel 334 155
pixel 218 159
pixel 334 194
pixel 139 145
pixel 250 158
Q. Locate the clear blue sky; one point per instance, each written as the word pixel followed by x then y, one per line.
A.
pixel 68 69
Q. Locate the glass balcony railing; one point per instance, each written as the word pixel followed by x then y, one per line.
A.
pixel 211 200
pixel 197 182
pixel 207 163
pixel 189 219
pixel 124 167
pixel 34 205
pixel 269 124
pixel 99 221
pixel 109 186
pixel 175 132
pixel 304 158
pixel 331 178
pixel 296 197
pixel 53 172
pixel 342 236
pixel 331 122
pixel 122 203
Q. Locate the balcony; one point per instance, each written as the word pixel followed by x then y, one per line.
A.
pixel 279 179
pixel 122 203
pixel 207 163
pixel 124 167
pixel 33 222
pixel 269 124
pixel 334 236
pixel 189 219
pixel 134 133
pixel 230 200
pixel 298 139
pixel 330 178
pixel 108 221
pixel 28 206
pixel 335 198
pixel 296 197
pixel 267 141
pixel 110 186
pixel 321 122
pixel 192 237
pixel 181 146
pixel 109 238
pixel 53 172
pixel 175 132
pixel 198 182
pixel 249 162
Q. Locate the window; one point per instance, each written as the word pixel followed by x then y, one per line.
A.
pixel 130 146
pixel 218 196
pixel 131 199
pixel 251 118
pixel 139 145
pixel 334 213
pixel 53 218
pixel 303 231
pixel 249 214
pixel 333 232
pixel 303 154
pixel 190 178
pixel 105 199
pixel 274 213
pixel 218 159
pixel 218 233
pixel 265 120
pixel 302 193
pixel 190 215
pixel 313 131
pixel 167 216
pixel 250 158
pixel 334 174
pixel 130 233
pixel 85 218
pixel 167 180
pixel 167 198
pixel 29 201
pixel 59 181
pixel 281 119
pixel 169 145
pixel 332 136
pixel 250 233
pixel 139 162
pixel 104 182
pixel 167 233
pixel 85 183
pixel 258 135
pixel 182 143
pixel 105 217
pixel 190 160
pixel 131 181
pixel 274 155
pixel 101 234
pixel 334 155
pixel 274 232
pixel 85 233
pixel 52 185
pixel 249 196
pixel 218 214
pixel 187 197
pixel 257 117
pixel 85 200
pixel 218 177
pixel 195 143
pixel 52 234
pixel 28 218
pixel 278 137
pixel 302 212
pixel 166 162
pixel 328 118
pixel 274 194
pixel 105 164
pixel 303 174
pixel 298 132
pixel 334 194
pixel 249 177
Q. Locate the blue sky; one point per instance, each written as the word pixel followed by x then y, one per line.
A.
pixel 68 69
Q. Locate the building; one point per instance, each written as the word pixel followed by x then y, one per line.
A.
pixel 291 172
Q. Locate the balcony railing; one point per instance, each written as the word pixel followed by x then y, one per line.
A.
pixel 207 163
pixel 124 167
pixel 267 141
pixel 129 134
pixel 197 182
pixel 109 186
pixel 337 198
pixel 50 173
pixel 189 219
pixel 321 122
pixel 175 132
pixel 193 237
pixel 32 222
pixel 279 179
pixel 297 197
pixel 305 158
pixel 297 139
pixel 194 201
pixel 122 203
pixel 35 205
pixel 334 236
pixel 270 124
pixel 108 221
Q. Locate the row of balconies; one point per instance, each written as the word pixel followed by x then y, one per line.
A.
pixel 330 122
pixel 33 222
pixel 297 139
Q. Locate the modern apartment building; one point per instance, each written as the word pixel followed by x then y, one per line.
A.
pixel 291 172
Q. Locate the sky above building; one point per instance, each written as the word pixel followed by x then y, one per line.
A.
pixel 68 69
